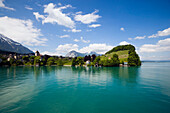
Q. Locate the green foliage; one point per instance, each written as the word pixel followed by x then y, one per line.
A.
pixel 73 62
pixel 80 61
pixel 121 48
pixel 19 62
pixel 133 59
pixel 25 58
pixel 114 61
pixel 60 62
pixel 50 61
pixel 12 61
pixel 97 60
pixel 37 60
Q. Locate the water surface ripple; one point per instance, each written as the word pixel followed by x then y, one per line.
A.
pixel 52 89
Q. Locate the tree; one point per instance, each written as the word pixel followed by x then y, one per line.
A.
pixel 37 60
pixel 93 57
pixel 50 61
pixel 133 59
pixel 97 60
pixel 12 61
pixel 80 61
pixel 73 63
pixel 115 60
pixel 60 62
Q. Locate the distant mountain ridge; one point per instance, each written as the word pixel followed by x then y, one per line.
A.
pixel 76 54
pixel 7 44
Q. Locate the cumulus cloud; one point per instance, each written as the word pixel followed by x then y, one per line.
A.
pixel 124 43
pixel 75 30
pixel 98 48
pixel 82 40
pixel 140 37
pixel 64 36
pixel 50 53
pixel 94 25
pixel 37 16
pixel 122 29
pixel 29 8
pixel 160 46
pixel 55 15
pixel 165 32
pixel 87 18
pixel 65 48
pixel 76 40
pixel 21 31
pixel 3 5
pixel 72 30
pixel 85 41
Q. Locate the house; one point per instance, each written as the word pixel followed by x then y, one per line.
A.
pixel 87 62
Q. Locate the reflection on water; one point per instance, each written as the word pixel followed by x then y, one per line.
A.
pixel 25 88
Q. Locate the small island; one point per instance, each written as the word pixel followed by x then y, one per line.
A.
pixel 123 55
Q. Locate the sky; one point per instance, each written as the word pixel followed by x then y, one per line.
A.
pixel 56 27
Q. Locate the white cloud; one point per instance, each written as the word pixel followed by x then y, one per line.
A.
pixel 3 5
pixel 73 30
pixel 50 53
pixel 64 49
pixel 165 32
pixel 98 48
pixel 37 16
pixel 87 18
pixel 76 40
pixel 122 29
pixel 29 8
pixel 64 36
pixel 140 37
pixel 124 43
pixel 55 15
pixel 21 31
pixel 85 41
pixel 129 38
pixel 82 40
pixel 160 46
pixel 94 25
pixel 59 4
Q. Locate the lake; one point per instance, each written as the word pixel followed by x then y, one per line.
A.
pixel 52 89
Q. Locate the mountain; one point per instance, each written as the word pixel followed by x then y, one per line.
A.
pixel 76 54
pixel 7 44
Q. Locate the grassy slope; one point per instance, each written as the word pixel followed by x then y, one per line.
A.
pixel 68 63
pixel 123 55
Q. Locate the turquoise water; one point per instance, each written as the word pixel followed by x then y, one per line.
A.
pixel 144 89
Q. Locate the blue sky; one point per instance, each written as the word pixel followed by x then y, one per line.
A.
pixel 59 26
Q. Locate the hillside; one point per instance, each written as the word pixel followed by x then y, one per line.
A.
pixel 126 53
pixel 123 55
pixel 8 45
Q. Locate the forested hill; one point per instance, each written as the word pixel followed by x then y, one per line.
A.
pixel 126 53
pixel 122 48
